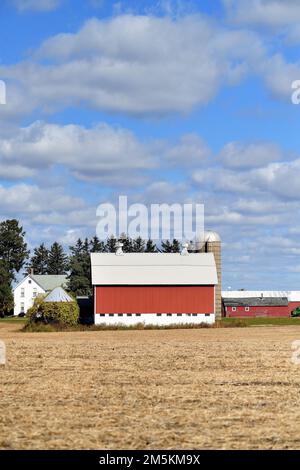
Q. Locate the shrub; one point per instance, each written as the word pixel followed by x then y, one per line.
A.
pixel 296 312
pixel 60 313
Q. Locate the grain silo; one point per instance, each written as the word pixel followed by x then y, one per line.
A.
pixel 212 244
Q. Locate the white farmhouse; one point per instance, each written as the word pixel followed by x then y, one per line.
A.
pixel 33 285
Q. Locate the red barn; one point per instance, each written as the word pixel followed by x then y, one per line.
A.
pixel 257 307
pixel 154 288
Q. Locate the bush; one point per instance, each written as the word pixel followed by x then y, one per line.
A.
pixel 296 312
pixel 60 313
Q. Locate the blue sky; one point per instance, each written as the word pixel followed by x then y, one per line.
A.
pixel 165 101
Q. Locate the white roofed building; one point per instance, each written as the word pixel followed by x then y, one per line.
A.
pixel 154 288
pixel 32 286
pixel 292 296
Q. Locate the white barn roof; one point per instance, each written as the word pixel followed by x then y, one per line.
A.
pixel 153 269
pixel 292 295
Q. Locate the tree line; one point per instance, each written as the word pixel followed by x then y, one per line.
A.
pixel 15 256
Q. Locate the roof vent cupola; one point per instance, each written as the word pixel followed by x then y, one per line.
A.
pixel 184 251
pixel 119 249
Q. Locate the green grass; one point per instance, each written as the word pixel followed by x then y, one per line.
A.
pixel 262 321
pixel 12 320
pixel 224 323
pixel 40 327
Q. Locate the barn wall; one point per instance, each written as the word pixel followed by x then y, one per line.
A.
pixel 293 306
pixel 280 311
pixel 154 299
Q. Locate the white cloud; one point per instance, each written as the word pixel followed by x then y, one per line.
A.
pixel 142 65
pixel 279 75
pixel 101 153
pixel 36 5
pixel 282 179
pixel 264 12
pixel 135 64
pixel 22 199
pixel 277 180
pixel 190 151
pixel 252 155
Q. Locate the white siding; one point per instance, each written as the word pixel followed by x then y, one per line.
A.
pixel 154 319
pixel 29 287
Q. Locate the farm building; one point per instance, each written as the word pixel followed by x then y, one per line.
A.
pixel 154 288
pixel 241 300
pixel 257 307
pixel 32 286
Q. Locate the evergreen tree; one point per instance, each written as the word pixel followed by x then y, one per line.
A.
pixel 138 245
pixel 39 261
pixel 6 294
pixel 96 245
pixel 166 246
pixel 170 247
pixel 176 246
pixel 86 246
pixel 150 247
pixel 80 268
pixel 110 245
pixel 13 249
pixel 57 260
pixel 127 243
pixel 77 249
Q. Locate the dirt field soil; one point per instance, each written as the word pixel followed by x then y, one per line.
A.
pixel 177 389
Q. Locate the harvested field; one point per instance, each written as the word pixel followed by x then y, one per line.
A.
pixel 186 389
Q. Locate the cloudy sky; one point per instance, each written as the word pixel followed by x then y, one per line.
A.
pixel 164 101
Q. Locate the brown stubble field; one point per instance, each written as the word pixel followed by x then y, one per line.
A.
pixel 233 388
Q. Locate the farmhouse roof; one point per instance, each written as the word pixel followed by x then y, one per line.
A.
pixel 48 282
pixel 256 302
pixel 153 269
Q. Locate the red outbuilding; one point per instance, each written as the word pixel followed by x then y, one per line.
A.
pixel 256 307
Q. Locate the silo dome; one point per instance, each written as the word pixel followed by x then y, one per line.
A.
pixel 211 236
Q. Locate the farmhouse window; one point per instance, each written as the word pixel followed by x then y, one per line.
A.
pixel 234 309
pixel 22 307
pixel 22 292
pixel 247 309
